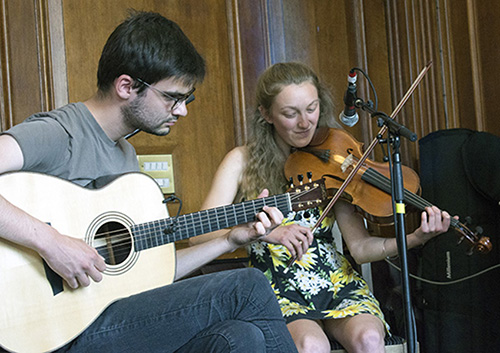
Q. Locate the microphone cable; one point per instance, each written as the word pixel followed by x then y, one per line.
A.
pixel 444 283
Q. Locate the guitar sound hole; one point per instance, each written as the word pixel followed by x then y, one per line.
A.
pixel 113 242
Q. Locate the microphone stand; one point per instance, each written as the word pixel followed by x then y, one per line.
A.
pixel 395 131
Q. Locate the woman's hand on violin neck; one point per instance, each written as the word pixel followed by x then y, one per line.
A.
pixel 433 222
pixel 294 237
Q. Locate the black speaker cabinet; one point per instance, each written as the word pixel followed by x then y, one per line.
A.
pixel 464 316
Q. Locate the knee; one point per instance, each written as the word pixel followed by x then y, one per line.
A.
pixel 253 275
pixel 368 340
pixel 254 280
pixel 233 336
pixel 241 335
pixel 313 344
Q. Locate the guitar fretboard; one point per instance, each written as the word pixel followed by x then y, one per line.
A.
pixel 160 232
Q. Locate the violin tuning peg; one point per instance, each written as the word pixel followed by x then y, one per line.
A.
pixel 291 182
pixel 468 220
pixel 309 176
pixel 300 178
pixel 479 230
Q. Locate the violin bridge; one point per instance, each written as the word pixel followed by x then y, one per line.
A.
pixel 348 161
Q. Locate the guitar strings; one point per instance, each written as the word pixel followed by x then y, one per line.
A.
pixel 123 240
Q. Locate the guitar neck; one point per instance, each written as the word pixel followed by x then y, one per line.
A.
pixel 160 232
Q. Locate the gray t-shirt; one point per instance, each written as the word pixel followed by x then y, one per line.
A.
pixel 70 144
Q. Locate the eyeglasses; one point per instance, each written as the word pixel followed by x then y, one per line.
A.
pixel 188 97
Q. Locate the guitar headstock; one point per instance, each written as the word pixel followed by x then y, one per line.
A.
pixel 308 195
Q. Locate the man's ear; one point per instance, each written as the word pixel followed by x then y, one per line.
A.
pixel 265 114
pixel 124 86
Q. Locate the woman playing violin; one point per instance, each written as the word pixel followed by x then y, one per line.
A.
pixel 321 296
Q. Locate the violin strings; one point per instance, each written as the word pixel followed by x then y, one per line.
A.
pixel 414 199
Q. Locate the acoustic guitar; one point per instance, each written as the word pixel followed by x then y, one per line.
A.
pixel 127 222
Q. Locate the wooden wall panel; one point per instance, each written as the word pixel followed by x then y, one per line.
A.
pixel 249 43
pixel 456 37
pixel 487 26
pixel 459 40
pixel 24 69
pixel 412 47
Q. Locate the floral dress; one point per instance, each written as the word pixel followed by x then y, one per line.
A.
pixel 323 284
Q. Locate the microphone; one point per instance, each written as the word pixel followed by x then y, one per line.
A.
pixel 349 116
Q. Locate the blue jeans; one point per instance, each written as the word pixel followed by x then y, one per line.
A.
pixel 230 311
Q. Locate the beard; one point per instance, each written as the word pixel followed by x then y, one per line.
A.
pixel 137 115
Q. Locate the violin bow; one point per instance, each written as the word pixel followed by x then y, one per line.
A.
pixel 363 158
pixel 372 145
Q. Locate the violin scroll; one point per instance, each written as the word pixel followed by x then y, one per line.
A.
pixel 477 244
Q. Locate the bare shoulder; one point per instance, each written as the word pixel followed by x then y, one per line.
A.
pixel 238 154
pixel 226 180
pixel 235 160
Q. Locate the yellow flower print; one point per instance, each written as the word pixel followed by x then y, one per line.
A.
pixel 327 222
pixel 362 291
pixel 348 311
pixel 336 278
pixel 288 221
pixel 278 254
pixel 346 270
pixel 372 307
pixel 289 308
pixel 308 260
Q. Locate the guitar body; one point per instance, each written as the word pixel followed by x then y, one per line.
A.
pixel 35 314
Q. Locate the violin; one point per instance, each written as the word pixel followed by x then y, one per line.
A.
pixel 333 153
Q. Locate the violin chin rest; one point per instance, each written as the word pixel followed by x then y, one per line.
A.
pixel 320 135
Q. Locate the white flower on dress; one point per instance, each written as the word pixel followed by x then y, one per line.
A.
pixel 323 283
pixel 301 275
pixel 258 248
pixel 314 290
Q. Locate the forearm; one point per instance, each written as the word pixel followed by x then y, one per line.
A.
pixel 379 248
pixel 192 258
pixel 207 237
pixel 19 227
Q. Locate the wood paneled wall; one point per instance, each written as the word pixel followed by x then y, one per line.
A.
pixel 393 41
pixel 25 64
pixel 50 48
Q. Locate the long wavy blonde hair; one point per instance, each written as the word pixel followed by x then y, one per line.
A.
pixel 265 160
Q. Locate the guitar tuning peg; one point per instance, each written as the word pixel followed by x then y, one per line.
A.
pixel 300 177
pixel 291 182
pixel 309 176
